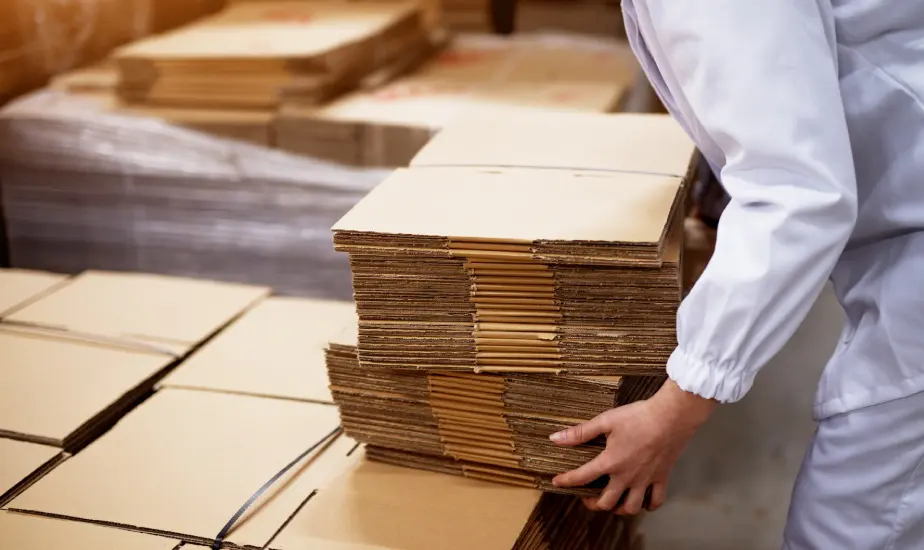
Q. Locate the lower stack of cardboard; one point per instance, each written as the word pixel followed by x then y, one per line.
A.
pixel 492 427
pixel 248 409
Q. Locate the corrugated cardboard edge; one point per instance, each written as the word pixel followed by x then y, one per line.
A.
pixel 32 478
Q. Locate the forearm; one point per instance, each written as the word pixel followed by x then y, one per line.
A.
pixel 758 82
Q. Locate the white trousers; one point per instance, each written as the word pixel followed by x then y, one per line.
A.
pixel 861 486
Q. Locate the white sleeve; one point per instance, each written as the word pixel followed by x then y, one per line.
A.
pixel 757 81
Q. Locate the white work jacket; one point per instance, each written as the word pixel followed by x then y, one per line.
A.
pixel 811 113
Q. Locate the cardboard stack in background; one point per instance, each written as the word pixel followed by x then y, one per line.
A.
pixel 270 413
pixel 84 188
pixel 251 55
pixel 474 74
pixel 592 17
pixel 39 38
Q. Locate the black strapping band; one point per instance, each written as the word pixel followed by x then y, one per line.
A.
pixel 220 538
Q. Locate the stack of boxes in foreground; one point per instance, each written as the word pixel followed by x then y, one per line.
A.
pixel 522 276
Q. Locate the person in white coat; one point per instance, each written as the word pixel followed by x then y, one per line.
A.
pixel 812 114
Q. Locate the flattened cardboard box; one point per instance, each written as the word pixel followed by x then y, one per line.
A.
pixel 19 286
pixel 275 350
pixel 25 532
pixel 516 206
pixel 21 464
pixel 634 143
pixel 60 392
pixel 169 313
pixel 184 462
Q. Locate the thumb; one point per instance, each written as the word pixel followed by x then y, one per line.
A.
pixel 582 433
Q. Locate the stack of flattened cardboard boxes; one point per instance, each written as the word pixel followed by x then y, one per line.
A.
pixel 230 418
pixel 473 75
pixel 251 55
pixel 523 275
pixel 39 38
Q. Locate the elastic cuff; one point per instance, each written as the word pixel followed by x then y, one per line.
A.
pixel 717 381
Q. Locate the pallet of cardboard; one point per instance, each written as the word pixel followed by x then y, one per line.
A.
pixel 274 350
pixel 77 357
pixel 183 463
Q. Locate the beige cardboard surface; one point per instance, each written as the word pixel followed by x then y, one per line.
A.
pixel 379 506
pixel 276 29
pixel 651 144
pixel 517 205
pixel 276 349
pixel 23 532
pixel 53 386
pixel 175 311
pixel 18 460
pixel 185 461
pixel 18 286
pixel 479 74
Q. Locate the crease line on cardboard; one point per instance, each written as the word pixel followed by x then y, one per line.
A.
pixel 683 177
pixel 123 342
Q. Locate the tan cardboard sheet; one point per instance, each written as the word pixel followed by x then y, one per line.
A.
pixel 517 205
pixel 185 461
pixel 19 460
pixel 272 30
pixel 486 74
pixel 276 349
pixel 650 144
pixel 376 506
pixel 24 532
pixel 17 286
pixel 52 386
pixel 174 311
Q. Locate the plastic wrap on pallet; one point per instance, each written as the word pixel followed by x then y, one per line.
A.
pixel 40 38
pixel 84 188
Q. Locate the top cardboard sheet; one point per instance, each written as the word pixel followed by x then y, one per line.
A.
pixel 383 507
pixel 646 144
pixel 23 532
pixel 275 350
pixel 521 205
pixel 173 311
pixel 184 462
pixel 288 29
pixel 18 286
pixel 18 460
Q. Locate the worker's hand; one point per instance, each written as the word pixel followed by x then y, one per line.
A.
pixel 643 441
